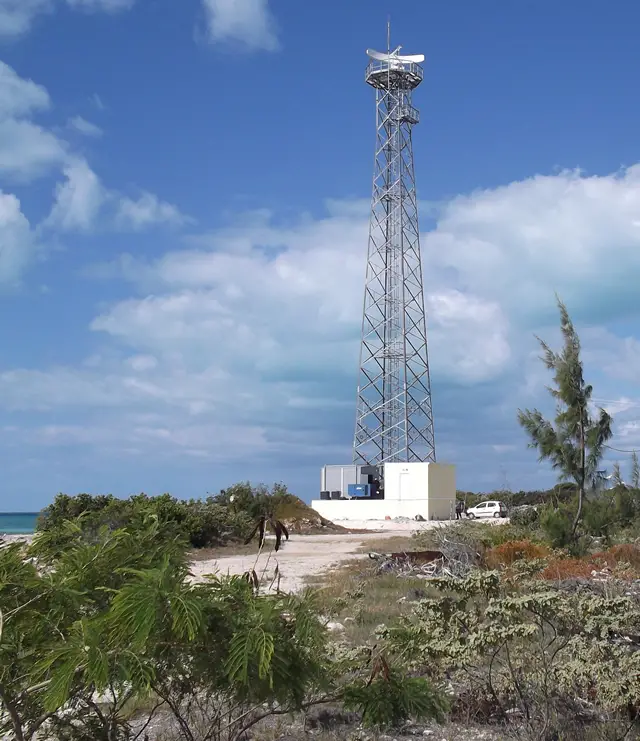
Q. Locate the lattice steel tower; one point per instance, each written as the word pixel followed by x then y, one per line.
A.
pixel 394 418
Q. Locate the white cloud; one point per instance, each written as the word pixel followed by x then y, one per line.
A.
pixel 18 96
pixel 78 200
pixel 518 243
pixel 468 336
pixel 256 330
pixel 109 6
pixel 247 22
pixel 257 324
pixel 250 303
pixel 27 151
pixel 17 242
pixel 147 211
pixel 84 127
pixel 16 16
pixel 82 198
pixel 142 363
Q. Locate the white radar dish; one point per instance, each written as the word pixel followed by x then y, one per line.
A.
pixel 395 57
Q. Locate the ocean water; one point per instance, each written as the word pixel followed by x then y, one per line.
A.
pixel 17 523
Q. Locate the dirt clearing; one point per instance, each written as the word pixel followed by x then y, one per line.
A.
pixel 305 556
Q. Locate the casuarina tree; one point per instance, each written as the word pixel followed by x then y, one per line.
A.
pixel 574 445
pixel 635 471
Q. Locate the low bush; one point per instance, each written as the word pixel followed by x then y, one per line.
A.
pixel 215 521
pixel 556 665
pixel 524 516
pixel 556 524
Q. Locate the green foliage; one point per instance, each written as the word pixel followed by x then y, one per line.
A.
pixel 616 475
pixel 610 511
pixel 117 617
pixel 557 525
pixel 521 645
pixel 635 471
pixel 227 517
pixel 386 701
pixel 259 501
pixel 575 445
pixel 525 517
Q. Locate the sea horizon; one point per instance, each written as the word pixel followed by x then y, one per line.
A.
pixel 18 523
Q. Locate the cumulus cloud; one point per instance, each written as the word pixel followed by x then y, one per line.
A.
pixel 17 241
pixel 261 285
pixel 576 234
pixel 17 16
pixel 81 202
pixel 82 198
pixel 256 325
pixel 78 200
pixel 19 96
pixel 256 328
pixel 469 336
pixel 246 22
pixel 29 151
pixel 84 127
pixel 26 149
pixel 146 211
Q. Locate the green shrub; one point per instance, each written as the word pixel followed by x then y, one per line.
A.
pixel 511 645
pixel 525 517
pixel 557 525
pixel 120 619
pixel 226 518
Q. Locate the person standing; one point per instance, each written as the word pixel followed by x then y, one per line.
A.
pixel 459 509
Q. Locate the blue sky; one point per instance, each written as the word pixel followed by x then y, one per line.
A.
pixel 183 220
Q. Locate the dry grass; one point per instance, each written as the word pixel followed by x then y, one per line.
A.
pixel 627 553
pixel 567 568
pixel 622 560
pixel 390 544
pixel 514 550
pixel 355 596
pixel 232 549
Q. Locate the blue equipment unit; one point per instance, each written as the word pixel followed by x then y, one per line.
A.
pixel 359 490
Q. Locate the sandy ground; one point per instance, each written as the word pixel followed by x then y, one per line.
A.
pixel 15 538
pixel 308 555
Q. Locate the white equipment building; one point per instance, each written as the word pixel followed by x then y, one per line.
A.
pixel 427 490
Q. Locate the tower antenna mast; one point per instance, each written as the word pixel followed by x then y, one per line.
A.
pixel 394 417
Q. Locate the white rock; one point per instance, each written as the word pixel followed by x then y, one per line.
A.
pixel 335 626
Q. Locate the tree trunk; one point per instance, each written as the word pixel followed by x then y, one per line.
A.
pixel 582 477
pixel 13 714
